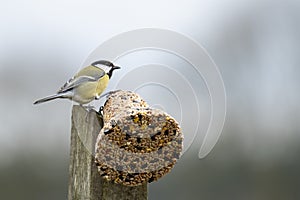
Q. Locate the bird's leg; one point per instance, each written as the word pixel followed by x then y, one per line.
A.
pixel 97 97
pixel 108 93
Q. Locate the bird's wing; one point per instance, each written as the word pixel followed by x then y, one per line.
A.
pixel 98 75
pixel 75 82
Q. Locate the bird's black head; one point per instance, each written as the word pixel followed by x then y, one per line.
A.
pixel 106 63
pixel 103 62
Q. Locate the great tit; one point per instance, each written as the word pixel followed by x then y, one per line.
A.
pixel 86 86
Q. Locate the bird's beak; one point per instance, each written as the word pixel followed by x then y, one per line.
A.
pixel 116 67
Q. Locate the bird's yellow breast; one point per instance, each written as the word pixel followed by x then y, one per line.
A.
pixel 102 84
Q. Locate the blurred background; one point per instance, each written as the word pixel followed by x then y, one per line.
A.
pixel 255 44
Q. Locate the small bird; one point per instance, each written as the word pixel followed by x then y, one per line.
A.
pixel 86 86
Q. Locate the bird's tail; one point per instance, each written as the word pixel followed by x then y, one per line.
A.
pixel 49 98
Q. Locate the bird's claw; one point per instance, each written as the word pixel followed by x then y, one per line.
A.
pixel 101 109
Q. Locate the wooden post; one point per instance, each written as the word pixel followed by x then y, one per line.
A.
pixel 85 181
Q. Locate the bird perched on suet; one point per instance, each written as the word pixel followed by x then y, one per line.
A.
pixel 87 85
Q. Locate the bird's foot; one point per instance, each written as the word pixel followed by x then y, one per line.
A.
pixel 89 108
